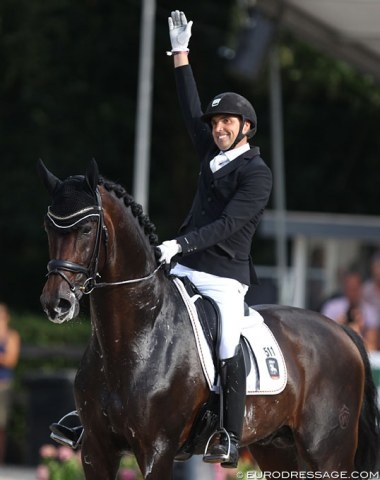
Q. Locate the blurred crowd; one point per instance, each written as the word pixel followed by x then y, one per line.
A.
pixel 357 304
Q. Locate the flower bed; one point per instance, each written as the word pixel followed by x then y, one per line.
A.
pixel 62 463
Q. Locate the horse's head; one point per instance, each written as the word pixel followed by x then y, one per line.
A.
pixel 74 224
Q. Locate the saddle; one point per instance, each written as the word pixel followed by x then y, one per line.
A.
pixel 208 314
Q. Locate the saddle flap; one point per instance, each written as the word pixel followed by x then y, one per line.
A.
pixel 208 315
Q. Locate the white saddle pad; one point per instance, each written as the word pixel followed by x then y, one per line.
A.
pixel 268 375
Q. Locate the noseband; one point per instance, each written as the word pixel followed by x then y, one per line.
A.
pixel 59 267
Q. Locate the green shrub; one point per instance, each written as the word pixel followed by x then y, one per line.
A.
pixel 45 348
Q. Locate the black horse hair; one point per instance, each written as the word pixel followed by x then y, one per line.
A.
pixel 136 208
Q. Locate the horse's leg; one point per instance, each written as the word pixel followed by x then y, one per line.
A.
pixel 327 439
pixel 333 453
pixel 100 456
pixel 100 462
pixel 272 458
pixel 156 464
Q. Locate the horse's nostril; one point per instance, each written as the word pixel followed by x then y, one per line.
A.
pixel 64 305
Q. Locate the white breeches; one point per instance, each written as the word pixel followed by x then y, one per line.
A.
pixel 229 296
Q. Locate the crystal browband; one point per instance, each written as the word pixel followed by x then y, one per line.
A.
pixel 69 221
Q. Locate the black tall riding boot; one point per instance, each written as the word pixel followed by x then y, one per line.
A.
pixel 233 385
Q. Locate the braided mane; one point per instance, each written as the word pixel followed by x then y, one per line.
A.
pixel 136 208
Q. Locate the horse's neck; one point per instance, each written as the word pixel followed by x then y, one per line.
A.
pixel 129 253
pixel 123 316
pixel 120 314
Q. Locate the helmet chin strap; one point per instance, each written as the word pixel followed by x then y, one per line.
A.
pixel 239 136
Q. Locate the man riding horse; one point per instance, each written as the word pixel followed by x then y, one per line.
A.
pixel 213 248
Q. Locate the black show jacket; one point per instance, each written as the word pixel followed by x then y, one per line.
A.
pixel 217 234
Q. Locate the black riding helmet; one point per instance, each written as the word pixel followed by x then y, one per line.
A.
pixel 232 104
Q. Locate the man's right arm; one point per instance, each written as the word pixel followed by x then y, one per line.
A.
pixel 180 33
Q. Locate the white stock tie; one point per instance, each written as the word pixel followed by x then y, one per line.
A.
pixel 218 162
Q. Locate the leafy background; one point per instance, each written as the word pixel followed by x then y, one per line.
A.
pixel 68 87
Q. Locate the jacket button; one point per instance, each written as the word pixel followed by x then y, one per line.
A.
pixel 203 212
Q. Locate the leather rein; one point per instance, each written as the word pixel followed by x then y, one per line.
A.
pixel 59 266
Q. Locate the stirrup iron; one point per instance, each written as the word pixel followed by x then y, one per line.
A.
pixel 217 458
pixel 60 438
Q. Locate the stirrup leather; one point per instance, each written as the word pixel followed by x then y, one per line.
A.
pixel 218 458
pixel 61 434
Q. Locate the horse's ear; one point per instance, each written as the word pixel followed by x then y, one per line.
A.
pixel 92 175
pixel 50 181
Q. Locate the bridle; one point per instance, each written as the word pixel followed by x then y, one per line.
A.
pixel 59 266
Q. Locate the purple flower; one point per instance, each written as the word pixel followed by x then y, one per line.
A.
pixel 42 472
pixel 65 453
pixel 126 474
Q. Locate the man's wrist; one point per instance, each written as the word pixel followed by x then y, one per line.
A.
pixel 177 52
pixel 180 59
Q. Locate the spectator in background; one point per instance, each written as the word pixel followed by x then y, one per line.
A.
pixel 371 287
pixel 351 309
pixel 9 355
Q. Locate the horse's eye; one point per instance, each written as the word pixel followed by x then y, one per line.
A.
pixel 85 229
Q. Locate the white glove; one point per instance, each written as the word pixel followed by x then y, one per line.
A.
pixel 169 249
pixel 179 31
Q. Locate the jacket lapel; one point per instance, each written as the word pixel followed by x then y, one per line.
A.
pixel 236 163
pixel 230 167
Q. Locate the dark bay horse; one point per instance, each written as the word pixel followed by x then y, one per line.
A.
pixel 140 384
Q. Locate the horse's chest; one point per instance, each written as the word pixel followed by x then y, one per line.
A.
pixel 127 416
pixel 125 399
